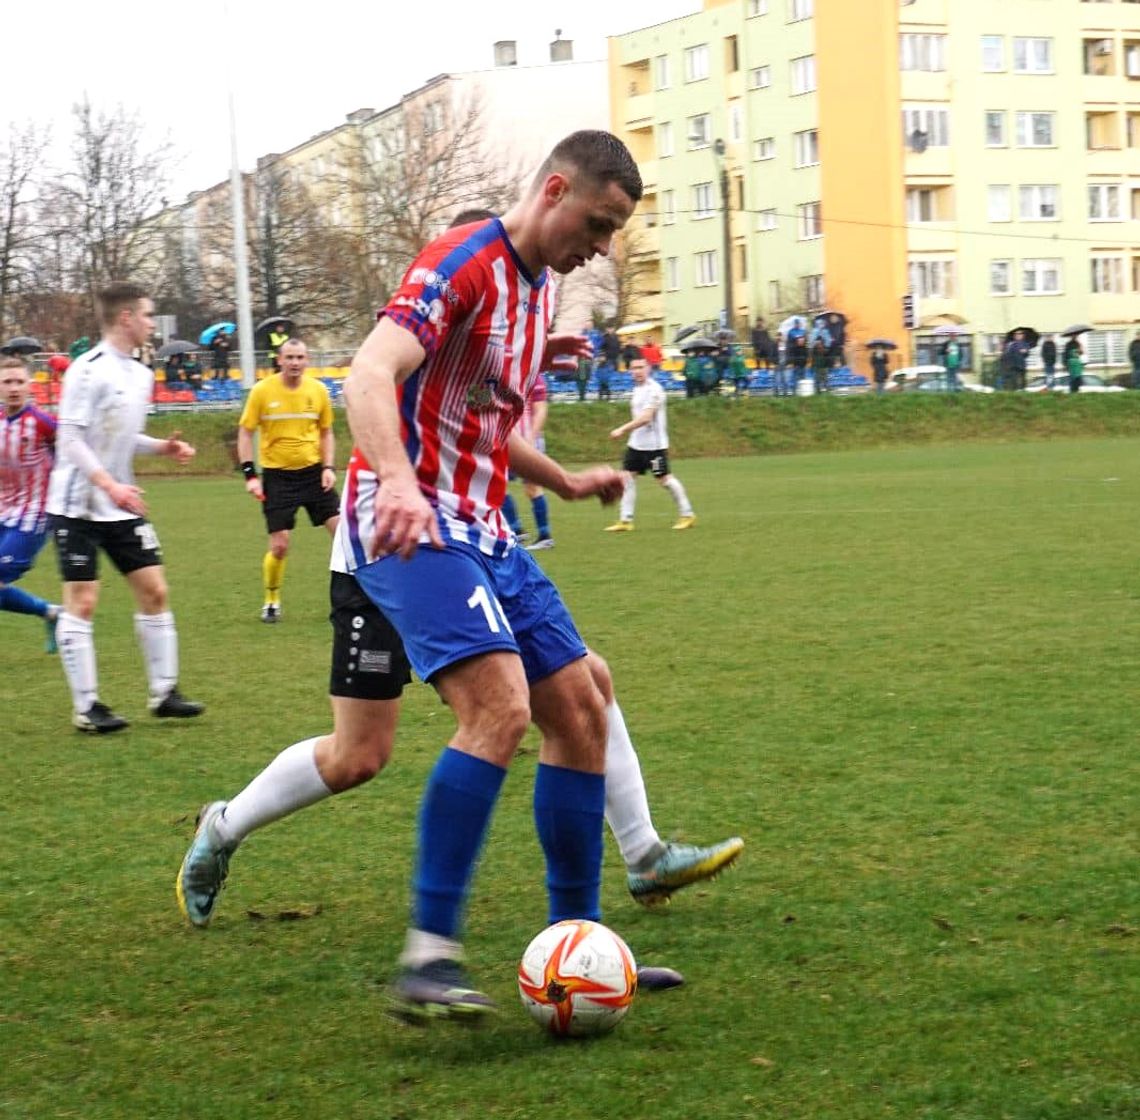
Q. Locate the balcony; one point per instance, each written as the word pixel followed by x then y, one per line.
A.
pixel 639 110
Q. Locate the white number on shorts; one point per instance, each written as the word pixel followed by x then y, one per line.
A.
pixel 483 599
pixel 148 538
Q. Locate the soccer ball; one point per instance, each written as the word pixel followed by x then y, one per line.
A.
pixel 577 978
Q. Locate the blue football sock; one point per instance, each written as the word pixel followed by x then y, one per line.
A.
pixel 541 515
pixel 457 805
pixel 13 599
pixel 511 513
pixel 568 809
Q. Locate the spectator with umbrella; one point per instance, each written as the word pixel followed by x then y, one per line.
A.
pixel 276 329
pixel 21 346
pixel 1049 360
pixel 1073 357
pixel 1015 356
pixel 217 338
pixel 881 361
pixel 173 356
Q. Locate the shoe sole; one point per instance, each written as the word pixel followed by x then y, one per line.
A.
pixel 424 1014
pixel 661 894
pixel 177 715
pixel 88 729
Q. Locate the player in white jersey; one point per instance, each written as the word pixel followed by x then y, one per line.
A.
pixel 95 504
pixel 648 450
pixel 27 448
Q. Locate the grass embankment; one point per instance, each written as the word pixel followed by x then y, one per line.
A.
pixel 722 426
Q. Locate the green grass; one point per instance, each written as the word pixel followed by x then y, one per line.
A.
pixel 907 677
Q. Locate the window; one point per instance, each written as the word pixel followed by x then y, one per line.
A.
pixel 1001 278
pixel 1039 202
pixel 661 72
pixel 809 220
pixel 672 273
pixel 926 204
pixel 806 148
pixel 706 269
pixel 742 262
pixel 1035 130
pixel 764 149
pixel 993 54
pixel 757 7
pixel 697 63
pixel 731 54
pixel 999 208
pixel 1033 56
pixel 799 9
pixel 703 200
pixel 700 131
pixel 664 139
pixel 922 52
pixel 1104 202
pixel 813 291
pixel 995 129
pixel 775 296
pixel 760 77
pixel 1041 276
pixel 803 74
pixel 766 220
pixel 1107 274
pixel 931 279
pixel 668 207
pixel 1099 57
pixel 1102 130
pixel 1132 59
pixel 735 121
pixel 926 128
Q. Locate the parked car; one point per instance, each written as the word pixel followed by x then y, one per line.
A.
pixel 1090 383
pixel 933 379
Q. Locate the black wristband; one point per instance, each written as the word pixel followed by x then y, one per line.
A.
pixel 248 469
pixel 329 467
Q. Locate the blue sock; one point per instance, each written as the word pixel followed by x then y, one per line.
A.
pixel 457 805
pixel 13 599
pixel 568 809
pixel 511 514
pixel 541 515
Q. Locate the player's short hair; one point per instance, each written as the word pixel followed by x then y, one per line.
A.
pixel 597 156
pixel 474 214
pixel 118 296
pixel 292 340
pixel 14 361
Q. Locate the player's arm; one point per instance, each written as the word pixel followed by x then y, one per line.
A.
pixel 173 447
pixel 328 458
pixel 389 356
pixel 530 463
pixel 639 421
pixel 245 459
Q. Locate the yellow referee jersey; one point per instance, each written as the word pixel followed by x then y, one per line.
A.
pixel 290 421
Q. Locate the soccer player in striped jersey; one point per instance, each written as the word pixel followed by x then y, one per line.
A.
pixel 27 451
pixel 95 505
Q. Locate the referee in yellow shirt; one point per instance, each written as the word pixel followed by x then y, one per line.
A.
pixel 293 415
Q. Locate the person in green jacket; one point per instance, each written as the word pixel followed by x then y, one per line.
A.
pixel 1074 363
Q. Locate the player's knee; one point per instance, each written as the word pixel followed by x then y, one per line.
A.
pixel 80 602
pixel 347 761
pixel 279 547
pixel 600 673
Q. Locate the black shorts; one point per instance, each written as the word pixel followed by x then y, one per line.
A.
pixel 130 545
pixel 368 659
pixel 638 462
pixel 287 491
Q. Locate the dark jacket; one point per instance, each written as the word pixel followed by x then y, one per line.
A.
pixel 1049 353
pixel 1134 351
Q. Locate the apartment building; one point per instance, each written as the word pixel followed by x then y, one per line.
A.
pixel 982 157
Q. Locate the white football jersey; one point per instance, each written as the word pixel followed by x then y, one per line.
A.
pixel 653 436
pixel 106 394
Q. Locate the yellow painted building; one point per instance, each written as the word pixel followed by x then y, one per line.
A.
pixel 982 157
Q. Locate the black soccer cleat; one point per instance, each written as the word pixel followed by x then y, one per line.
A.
pixel 99 720
pixel 175 706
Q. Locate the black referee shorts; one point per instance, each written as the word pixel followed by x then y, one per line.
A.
pixel 368 660
pixel 288 491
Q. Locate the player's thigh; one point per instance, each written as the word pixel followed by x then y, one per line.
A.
pixel 368 661
pixel 489 697
pixel 570 712
pixel 18 551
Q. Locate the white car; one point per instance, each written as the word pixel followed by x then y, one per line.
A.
pixel 1090 383
pixel 933 379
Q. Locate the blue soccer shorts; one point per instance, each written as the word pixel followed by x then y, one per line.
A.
pixel 18 549
pixel 453 603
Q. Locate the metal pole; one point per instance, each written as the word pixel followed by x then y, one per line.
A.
pixel 726 219
pixel 241 258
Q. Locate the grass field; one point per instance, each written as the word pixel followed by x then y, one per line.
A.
pixel 908 678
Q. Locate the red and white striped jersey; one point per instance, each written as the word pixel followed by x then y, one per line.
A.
pixel 27 451
pixel 482 321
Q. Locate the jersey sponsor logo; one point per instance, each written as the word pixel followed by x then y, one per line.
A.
pixel 482 397
pixel 431 311
pixel 429 278
pixel 374 661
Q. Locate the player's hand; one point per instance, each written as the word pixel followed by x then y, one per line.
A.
pixel 127 497
pixel 604 483
pixel 563 351
pixel 617 433
pixel 178 450
pixel 403 515
pixel 328 478
pixel 254 489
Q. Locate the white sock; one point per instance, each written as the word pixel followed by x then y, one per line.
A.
pixel 159 642
pixel 290 782
pixel 421 947
pixel 77 655
pixel 679 496
pixel 628 499
pixel 627 807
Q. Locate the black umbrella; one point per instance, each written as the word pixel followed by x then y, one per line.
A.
pixel 21 345
pixel 699 344
pixel 725 335
pixel 274 321
pixel 1073 331
pixel 683 333
pixel 882 344
pixel 175 346
pixel 1031 336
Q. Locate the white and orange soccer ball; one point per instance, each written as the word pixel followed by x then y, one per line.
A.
pixel 577 978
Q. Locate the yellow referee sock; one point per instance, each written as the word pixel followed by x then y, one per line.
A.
pixel 272 576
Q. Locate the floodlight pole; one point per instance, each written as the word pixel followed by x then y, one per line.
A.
pixel 241 258
pixel 726 220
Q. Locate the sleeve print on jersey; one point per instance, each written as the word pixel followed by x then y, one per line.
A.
pixel 427 302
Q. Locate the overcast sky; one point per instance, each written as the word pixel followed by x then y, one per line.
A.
pixel 296 68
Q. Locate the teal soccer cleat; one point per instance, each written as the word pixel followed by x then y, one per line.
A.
pixel 679 866
pixel 204 870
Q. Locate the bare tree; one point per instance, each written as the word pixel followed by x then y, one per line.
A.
pixel 21 163
pixel 621 288
pixel 100 204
